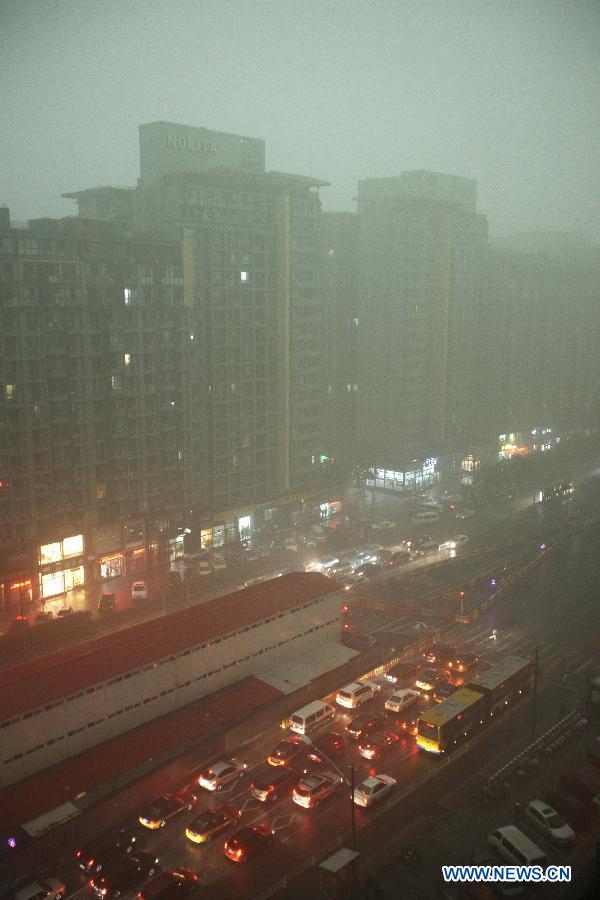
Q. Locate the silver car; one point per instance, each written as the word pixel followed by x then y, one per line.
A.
pixel 223 772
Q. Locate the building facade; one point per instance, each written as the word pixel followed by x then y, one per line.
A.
pixel 422 256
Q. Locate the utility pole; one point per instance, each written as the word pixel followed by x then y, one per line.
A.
pixel 351 767
pixel 534 699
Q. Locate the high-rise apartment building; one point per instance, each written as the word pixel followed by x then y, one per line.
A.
pixel 422 255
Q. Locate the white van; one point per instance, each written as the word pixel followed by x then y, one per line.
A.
pixel 311 716
pixel 426 517
pixel 516 847
pixel 357 693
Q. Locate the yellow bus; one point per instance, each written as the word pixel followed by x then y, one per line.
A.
pixel 439 729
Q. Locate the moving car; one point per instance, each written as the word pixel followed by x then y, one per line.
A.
pixel 169 886
pixel 401 700
pixel 365 724
pixel 355 694
pixel 549 822
pixel 104 850
pixel 368 570
pixel 399 558
pixel 160 811
pixel 331 743
pixel 48 889
pixel 464 513
pixel 383 525
pixel 402 672
pixel 287 750
pixel 274 783
pixel 139 590
pixel 453 543
pixel 221 773
pixel 127 874
pixel 248 841
pixel 212 821
pixel 427 681
pixel 443 690
pixel 373 789
pixel 313 788
pixel 374 745
pixel 441 655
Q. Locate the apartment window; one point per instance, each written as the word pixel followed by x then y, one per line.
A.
pixel 244 276
pixel 10 391
pixel 127 296
pixel 127 359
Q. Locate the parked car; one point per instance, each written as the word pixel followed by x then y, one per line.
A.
pixel 107 603
pixel 164 808
pixel 219 563
pixel 45 616
pixel 383 525
pixel 173 578
pixel 373 789
pixel 211 822
pixel 19 625
pixel 64 611
pixel 204 567
pixel 290 543
pixel 221 773
pixel 139 590
pixel 550 823
pixel 248 841
pixel 426 517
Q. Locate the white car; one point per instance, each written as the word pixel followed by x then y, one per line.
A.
pixel 139 590
pixel 49 889
pixel 459 540
pixel 204 567
pixel 355 694
pixel 290 543
pixel 373 789
pixel 219 563
pixel 221 773
pixel 401 700
pixel 549 822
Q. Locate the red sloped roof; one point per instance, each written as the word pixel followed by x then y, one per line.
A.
pixel 37 682
pixel 41 792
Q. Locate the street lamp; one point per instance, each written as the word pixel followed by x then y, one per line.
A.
pixel 349 782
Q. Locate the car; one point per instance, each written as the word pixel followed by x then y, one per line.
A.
pixel 356 693
pixel 349 581
pixel 426 517
pixel 46 889
pixel 402 672
pixel 212 821
pixel 287 750
pixel 104 850
pixel 454 543
pixel 164 808
pixel 221 773
pixel 127 874
pixel 543 817
pixel 463 662
pixel 383 525
pixel 219 563
pixel 464 513
pixel 373 789
pixel 204 567
pixel 443 690
pixel 401 700
pixel 107 603
pixel 290 543
pixel 328 744
pixel 248 841
pixel 368 570
pixel 364 724
pixel 427 681
pixel 45 616
pixel 313 788
pixel 139 590
pixel 399 558
pixel 170 885
pixel 374 745
pixel 270 784
pixel 64 611
pixel 441 655
pixel 309 541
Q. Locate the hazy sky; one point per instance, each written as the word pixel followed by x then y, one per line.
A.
pixel 504 91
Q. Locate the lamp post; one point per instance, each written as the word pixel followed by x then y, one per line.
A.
pixel 351 767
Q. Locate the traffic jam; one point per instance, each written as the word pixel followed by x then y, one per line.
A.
pixel 348 746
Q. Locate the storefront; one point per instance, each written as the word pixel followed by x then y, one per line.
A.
pixel 119 549
pixel 409 480
pixel 16 594
pixel 61 566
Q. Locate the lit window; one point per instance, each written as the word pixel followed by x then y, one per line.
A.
pixel 127 296
pixel 191 337
pixel 126 359
pixel 243 276
pixel 331 253
pixel 10 391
